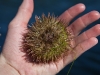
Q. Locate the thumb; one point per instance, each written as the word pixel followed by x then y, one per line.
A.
pixel 23 15
pixel 17 26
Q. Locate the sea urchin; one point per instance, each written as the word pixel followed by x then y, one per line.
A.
pixel 47 40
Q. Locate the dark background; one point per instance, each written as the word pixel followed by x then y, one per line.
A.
pixel 89 62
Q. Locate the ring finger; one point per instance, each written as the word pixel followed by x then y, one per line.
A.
pixel 93 32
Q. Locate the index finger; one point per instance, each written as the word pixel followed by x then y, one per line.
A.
pixel 69 14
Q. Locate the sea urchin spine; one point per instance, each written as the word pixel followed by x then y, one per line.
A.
pixel 47 40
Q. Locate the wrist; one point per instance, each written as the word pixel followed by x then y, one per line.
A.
pixel 5 68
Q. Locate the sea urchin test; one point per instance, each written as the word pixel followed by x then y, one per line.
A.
pixel 47 40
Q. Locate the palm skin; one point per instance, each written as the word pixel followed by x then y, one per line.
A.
pixel 13 56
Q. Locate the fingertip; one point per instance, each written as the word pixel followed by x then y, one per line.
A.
pixel 94 40
pixel 81 6
pixel 95 13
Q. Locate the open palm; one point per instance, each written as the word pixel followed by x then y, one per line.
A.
pixel 13 56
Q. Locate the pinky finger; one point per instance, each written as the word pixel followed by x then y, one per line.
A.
pixel 79 49
pixel 84 46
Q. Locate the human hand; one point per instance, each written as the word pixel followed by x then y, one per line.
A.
pixel 13 56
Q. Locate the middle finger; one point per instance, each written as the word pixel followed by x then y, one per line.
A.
pixel 83 21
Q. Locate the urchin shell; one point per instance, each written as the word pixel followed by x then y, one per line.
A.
pixel 47 40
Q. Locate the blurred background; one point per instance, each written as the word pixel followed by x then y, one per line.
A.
pixel 89 62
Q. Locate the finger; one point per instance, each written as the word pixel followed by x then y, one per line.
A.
pixel 18 26
pixel 83 21
pixel 93 32
pixel 79 49
pixel 23 15
pixel 69 14
pixel 84 46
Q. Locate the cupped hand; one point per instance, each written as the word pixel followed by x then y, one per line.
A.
pixel 13 56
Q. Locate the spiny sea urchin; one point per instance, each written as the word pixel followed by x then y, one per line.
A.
pixel 47 40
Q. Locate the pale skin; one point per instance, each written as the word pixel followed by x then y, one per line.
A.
pixel 12 61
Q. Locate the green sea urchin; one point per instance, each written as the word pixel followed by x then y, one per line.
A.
pixel 47 40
